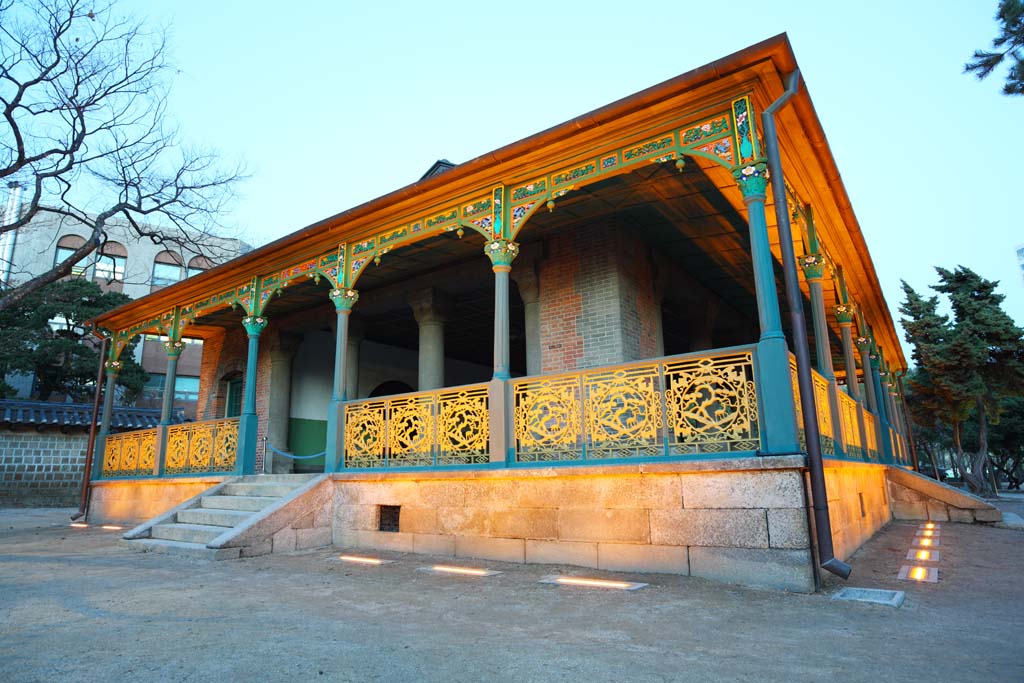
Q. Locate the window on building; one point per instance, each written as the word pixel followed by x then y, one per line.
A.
pixel 167 269
pixel 197 265
pixel 233 404
pixel 66 246
pixel 111 262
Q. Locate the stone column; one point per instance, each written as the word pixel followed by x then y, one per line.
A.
pixel 528 285
pixel 844 315
pixel 248 423
pixel 113 367
pixel 427 308
pixel 662 274
pixel 174 349
pixel 703 332
pixel 356 333
pixel 344 300
pixel 814 272
pixel 779 430
pixel 279 411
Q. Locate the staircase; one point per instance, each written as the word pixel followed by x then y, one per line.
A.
pixel 216 515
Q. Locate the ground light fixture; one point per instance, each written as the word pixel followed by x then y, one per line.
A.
pixel 592 583
pixel 359 559
pixel 919 573
pixel 921 555
pixel 79 525
pixel 928 533
pixel 928 525
pixel 922 542
pixel 458 571
pixel 112 527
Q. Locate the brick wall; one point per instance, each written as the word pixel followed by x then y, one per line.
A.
pixel 597 300
pixel 41 468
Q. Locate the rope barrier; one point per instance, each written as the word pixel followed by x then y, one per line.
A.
pixel 295 457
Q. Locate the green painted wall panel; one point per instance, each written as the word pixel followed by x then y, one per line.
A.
pixel 306 437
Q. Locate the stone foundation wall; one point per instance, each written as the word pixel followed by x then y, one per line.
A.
pixel 134 502
pixel 737 521
pixel 916 497
pixel 858 503
pixel 41 468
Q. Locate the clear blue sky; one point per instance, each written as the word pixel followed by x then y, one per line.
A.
pixel 331 104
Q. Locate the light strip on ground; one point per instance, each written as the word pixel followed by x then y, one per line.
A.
pixel 922 555
pixel 929 525
pixel 592 583
pixel 929 533
pixel 112 527
pixel 359 559
pixel 927 542
pixel 458 571
pixel 79 525
pixel 918 573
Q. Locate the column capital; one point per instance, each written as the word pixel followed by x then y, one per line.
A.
pixel 501 252
pixel 344 299
pixel 254 324
pixel 113 367
pixel 174 349
pixel 864 343
pixel 844 314
pixel 813 266
pixel 428 306
pixel 753 180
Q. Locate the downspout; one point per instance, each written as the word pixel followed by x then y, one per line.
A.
pixel 90 449
pixel 816 469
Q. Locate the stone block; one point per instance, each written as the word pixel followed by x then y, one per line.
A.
pixel 312 538
pixel 627 557
pixel 443 493
pixel 989 515
pixel 323 514
pixel 787 528
pixel 433 544
pixel 538 493
pixel 537 523
pixel 937 511
pixel 743 490
pixel 774 568
pixel 483 493
pixel 732 528
pixel 631 526
pixel 284 541
pixel 460 521
pixel 902 493
pixel 304 522
pixel 501 549
pixel 622 492
pixel 376 493
pixel 385 540
pixel 907 510
pixel 359 517
pixel 960 515
pixel 255 550
pixel 561 552
pixel 418 520
pixel 344 538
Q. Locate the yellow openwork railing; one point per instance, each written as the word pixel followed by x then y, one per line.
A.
pixel 704 403
pixel 851 427
pixel 195 447
pixel 824 410
pixel 129 454
pixel 872 433
pixel 442 427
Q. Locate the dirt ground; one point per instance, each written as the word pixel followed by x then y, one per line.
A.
pixel 76 606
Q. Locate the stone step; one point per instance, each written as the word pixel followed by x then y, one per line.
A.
pixel 249 503
pixel 212 517
pixel 190 533
pixel 295 479
pixel 269 489
pixel 182 549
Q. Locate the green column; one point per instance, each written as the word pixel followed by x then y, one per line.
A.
pixel 844 315
pixel 775 386
pixel 344 300
pixel 883 417
pixel 113 367
pixel 814 272
pixel 174 349
pixel 248 423
pixel 502 253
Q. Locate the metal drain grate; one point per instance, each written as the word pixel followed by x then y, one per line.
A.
pixel 871 595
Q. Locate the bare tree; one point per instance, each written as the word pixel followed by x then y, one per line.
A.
pixel 84 95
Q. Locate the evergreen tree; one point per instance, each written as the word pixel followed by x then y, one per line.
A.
pixel 1009 43
pixel 44 334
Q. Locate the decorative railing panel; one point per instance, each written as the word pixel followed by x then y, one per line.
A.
pixel 824 410
pixel 199 447
pixel 872 433
pixel 445 427
pixel 675 406
pixel 851 427
pixel 129 454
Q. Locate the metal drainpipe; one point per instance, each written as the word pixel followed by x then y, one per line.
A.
pixel 822 523
pixel 90 449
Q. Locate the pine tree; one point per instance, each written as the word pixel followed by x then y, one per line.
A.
pixel 1009 43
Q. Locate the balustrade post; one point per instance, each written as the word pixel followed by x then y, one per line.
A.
pixel 173 349
pixel 113 367
pixel 814 271
pixel 248 423
pixel 334 457
pixel 501 253
pixel 779 429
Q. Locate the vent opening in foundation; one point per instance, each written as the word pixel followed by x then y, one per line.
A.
pixel 863 511
pixel 388 517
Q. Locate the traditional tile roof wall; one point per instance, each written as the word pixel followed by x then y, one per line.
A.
pixel 42 414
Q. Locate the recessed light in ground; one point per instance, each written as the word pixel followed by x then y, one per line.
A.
pixel 112 527
pixel 930 533
pixel 871 595
pixel 929 525
pixel 922 555
pixel 458 571
pixel 922 574
pixel 592 583
pixel 79 525
pixel 922 542
pixel 359 559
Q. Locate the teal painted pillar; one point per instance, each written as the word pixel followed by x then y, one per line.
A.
pixel 334 459
pixel 775 386
pixel 814 272
pixel 174 349
pixel 883 417
pixel 248 422
pixel 501 253
pixel 99 449
pixel 844 315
